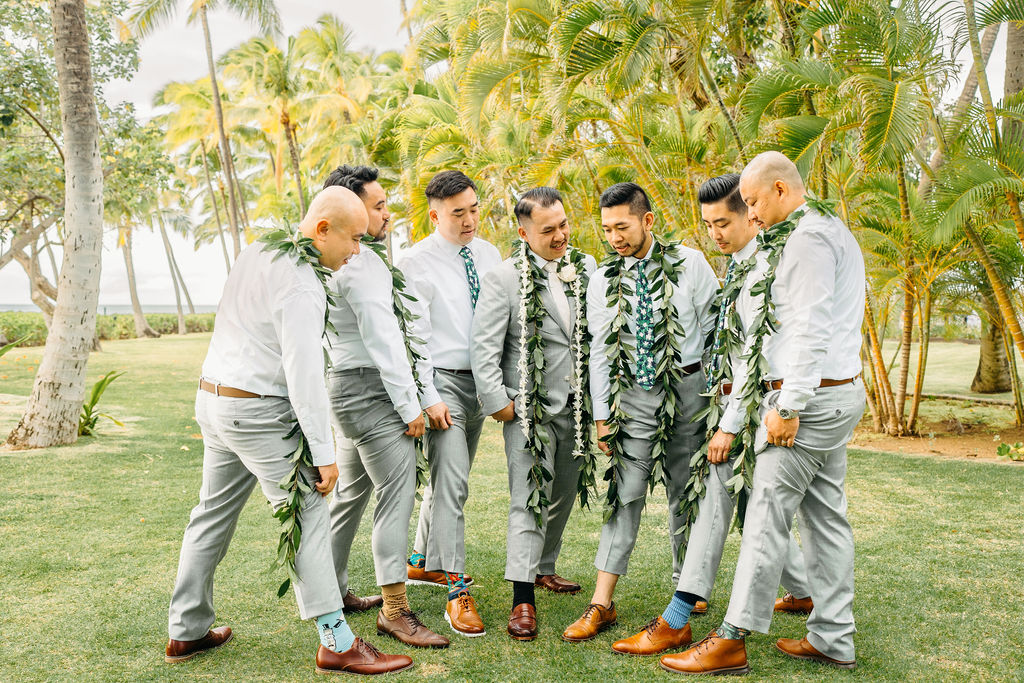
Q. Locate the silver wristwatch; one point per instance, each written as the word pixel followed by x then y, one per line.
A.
pixel 787 414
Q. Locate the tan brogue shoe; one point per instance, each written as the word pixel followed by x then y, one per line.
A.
pixel 556 584
pixel 701 607
pixel 595 619
pixel 408 629
pixel 462 616
pixel 353 603
pixel 656 637
pixel 801 649
pixel 793 605
pixel 522 623
pixel 180 650
pixel 714 655
pixel 362 658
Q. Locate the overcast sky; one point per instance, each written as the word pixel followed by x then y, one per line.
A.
pixel 176 53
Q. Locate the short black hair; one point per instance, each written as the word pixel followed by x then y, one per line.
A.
pixel 448 184
pixel 626 193
pixel 537 196
pixel 352 177
pixel 723 188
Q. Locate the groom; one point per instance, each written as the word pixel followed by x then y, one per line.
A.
pixel 549 265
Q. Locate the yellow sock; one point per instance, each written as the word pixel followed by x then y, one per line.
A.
pixel 395 600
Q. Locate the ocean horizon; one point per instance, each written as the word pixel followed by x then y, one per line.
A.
pixel 111 309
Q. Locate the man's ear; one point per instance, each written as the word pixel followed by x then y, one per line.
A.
pixel 780 188
pixel 648 220
pixel 323 226
pixel 432 213
pixel 522 232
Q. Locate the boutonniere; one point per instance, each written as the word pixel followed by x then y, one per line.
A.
pixel 567 273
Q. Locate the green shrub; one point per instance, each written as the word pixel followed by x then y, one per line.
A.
pixel 16 325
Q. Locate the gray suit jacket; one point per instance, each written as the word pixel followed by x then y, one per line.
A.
pixel 496 331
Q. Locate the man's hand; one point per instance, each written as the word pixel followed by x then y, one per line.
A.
pixel 328 476
pixel 417 427
pixel 507 413
pixel 781 432
pixel 439 416
pixel 602 431
pixel 719 446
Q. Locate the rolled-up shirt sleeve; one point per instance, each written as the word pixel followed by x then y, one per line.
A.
pixel 705 289
pixel 490 326
pixel 300 323
pixel 599 319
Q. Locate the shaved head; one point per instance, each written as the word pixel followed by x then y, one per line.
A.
pixel 772 188
pixel 336 221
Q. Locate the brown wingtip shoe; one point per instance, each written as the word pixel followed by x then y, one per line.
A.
pixel 656 637
pixel 802 649
pixel 556 584
pixel 595 619
pixel 180 650
pixel 790 604
pixel 701 607
pixel 408 629
pixel 522 623
pixel 462 616
pixel 714 655
pixel 353 603
pixel 362 658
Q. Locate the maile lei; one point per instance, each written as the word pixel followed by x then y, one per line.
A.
pixel 730 344
pixel 664 270
pixel 413 344
pixel 532 398
pixel 295 483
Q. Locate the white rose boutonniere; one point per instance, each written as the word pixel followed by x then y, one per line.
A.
pixel 567 273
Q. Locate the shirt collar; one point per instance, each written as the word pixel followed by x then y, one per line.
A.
pixel 448 248
pixel 537 258
pixel 631 260
pixel 748 249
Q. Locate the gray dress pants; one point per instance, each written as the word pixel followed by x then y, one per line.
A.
pixel 375 456
pixel 244 444
pixel 440 535
pixel 808 478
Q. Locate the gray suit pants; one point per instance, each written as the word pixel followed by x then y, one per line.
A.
pixel 244 445
pixel 440 534
pixel 376 456
pixel 809 478
pixel 532 549
pixel 618 535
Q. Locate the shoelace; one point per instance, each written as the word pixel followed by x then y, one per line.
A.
pixel 706 642
pixel 412 619
pixel 591 608
pixel 368 648
pixel 652 626
pixel 465 601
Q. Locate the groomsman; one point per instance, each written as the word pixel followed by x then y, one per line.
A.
pixel 627 220
pixel 814 400
pixel 445 270
pixel 497 332
pixel 377 408
pixel 265 369
pixel 725 216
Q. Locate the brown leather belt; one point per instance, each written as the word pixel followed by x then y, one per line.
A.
pixel 230 392
pixel 691 368
pixel 456 372
pixel 776 384
pixel 726 388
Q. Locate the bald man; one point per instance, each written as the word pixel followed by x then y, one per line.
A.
pixel 813 400
pixel 264 370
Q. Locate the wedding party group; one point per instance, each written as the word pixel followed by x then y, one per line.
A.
pixel 334 376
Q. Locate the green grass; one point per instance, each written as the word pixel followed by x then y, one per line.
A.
pixel 950 369
pixel 91 535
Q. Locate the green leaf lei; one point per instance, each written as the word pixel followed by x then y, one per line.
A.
pixel 664 274
pixel 731 343
pixel 533 401
pixel 295 483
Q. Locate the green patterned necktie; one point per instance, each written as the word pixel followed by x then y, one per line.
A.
pixel 474 280
pixel 645 368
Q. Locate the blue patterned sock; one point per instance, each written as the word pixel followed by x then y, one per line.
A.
pixel 334 631
pixel 456 586
pixel 678 611
pixel 417 560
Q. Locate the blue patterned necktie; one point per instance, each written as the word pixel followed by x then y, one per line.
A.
pixel 645 368
pixel 474 280
pixel 716 358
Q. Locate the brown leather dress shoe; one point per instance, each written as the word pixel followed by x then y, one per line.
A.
pixel 713 655
pixel 656 637
pixel 793 605
pixel 701 607
pixel 556 584
pixel 422 577
pixel 462 616
pixel 595 619
pixel 362 658
pixel 180 650
pixel 408 629
pixel 522 623
pixel 801 649
pixel 353 603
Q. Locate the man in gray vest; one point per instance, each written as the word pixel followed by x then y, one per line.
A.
pixel 544 260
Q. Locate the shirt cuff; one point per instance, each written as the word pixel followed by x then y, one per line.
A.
pixel 323 454
pixel 429 397
pixel 409 412
pixel 731 420
pixel 601 411
pixel 793 399
pixel 494 401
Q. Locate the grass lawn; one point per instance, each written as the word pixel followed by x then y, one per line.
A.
pixel 91 535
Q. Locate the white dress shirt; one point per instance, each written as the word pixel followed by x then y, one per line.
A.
pixel 367 331
pixel 819 303
pixel 692 298
pixel 267 340
pixel 437 273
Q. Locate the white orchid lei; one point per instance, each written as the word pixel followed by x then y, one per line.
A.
pixel 531 402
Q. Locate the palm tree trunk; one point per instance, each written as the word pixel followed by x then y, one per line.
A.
pixel 216 209
pixel 907 327
pixel 993 373
pixel 225 151
pixel 51 416
pixel 1003 300
pixel 241 198
pixel 181 283
pixel 1018 399
pixel 717 96
pixel 922 357
pixel 869 392
pixel 289 133
pixel 142 328
pixel 881 374
pixel 174 276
